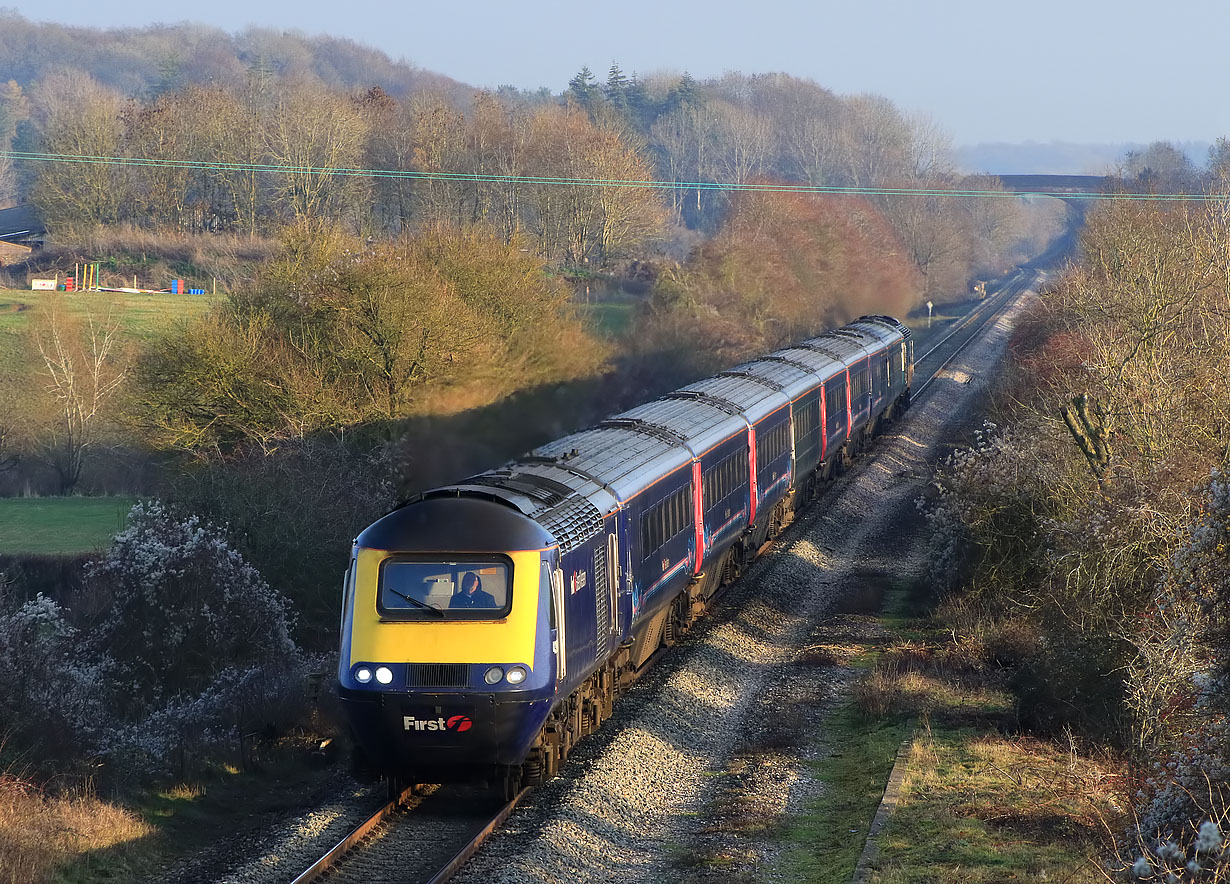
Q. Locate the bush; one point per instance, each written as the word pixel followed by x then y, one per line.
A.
pixel 51 695
pixel 988 517
pixel 224 721
pixel 185 607
pixel 199 646
pixel 294 513
pixel 1183 684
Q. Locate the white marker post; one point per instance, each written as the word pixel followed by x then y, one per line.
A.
pixel 929 306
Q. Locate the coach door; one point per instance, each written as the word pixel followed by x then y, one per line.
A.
pixel 612 577
pixel 558 637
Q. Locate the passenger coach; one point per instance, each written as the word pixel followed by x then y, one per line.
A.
pixel 488 625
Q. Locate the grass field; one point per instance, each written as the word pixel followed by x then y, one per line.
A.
pixel 608 319
pixel 140 316
pixel 60 525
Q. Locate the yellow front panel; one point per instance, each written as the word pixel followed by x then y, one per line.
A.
pixel 442 641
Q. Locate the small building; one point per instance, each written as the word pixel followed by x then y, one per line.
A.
pixel 21 231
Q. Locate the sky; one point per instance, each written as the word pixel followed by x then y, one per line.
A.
pixel 984 70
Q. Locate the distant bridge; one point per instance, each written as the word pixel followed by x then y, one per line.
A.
pixel 1056 184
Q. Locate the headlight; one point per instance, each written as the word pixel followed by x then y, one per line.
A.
pixel 362 675
pixel 384 674
pixel 516 675
pixel 493 675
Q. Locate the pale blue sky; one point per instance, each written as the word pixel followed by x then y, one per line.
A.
pixel 1042 70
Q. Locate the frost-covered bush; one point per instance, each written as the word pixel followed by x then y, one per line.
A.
pixel 1189 782
pixel 241 706
pixel 988 508
pixel 1201 566
pixel 52 697
pixel 200 645
pixel 184 608
pixel 1200 855
pixel 1028 541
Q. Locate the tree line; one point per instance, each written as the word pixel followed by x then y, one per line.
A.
pixel 230 154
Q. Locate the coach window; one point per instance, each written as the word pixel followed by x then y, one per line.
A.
pixel 665 520
pixel 836 400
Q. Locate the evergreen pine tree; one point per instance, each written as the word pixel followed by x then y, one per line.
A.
pixel 685 92
pixel 639 106
pixel 582 88
pixel 617 87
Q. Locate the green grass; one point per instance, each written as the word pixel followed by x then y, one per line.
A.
pixel 60 525
pixel 138 314
pixel 978 807
pixel 975 806
pixel 608 319
pixel 141 317
pixel 828 835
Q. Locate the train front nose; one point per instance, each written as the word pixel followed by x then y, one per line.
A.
pixel 446 669
pixel 439 737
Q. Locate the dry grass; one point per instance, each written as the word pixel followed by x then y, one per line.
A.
pixel 154 256
pixel 825 655
pixel 948 681
pixel 40 834
pixel 979 807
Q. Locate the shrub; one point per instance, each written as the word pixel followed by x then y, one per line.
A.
pixel 201 648
pixel 1184 689
pixel 185 606
pixel 987 514
pixel 51 694
pixel 294 513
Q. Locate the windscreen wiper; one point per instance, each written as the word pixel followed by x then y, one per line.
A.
pixel 415 601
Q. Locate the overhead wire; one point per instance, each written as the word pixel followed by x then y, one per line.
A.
pixel 492 178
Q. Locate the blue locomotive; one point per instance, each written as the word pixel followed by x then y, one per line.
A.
pixel 488 625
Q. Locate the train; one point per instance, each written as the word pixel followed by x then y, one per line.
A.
pixel 488 625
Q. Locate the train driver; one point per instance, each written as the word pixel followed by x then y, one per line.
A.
pixel 472 594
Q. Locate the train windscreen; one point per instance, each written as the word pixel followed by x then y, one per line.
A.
pixel 466 590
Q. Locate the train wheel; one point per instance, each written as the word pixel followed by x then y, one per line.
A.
pixel 512 781
pixel 393 787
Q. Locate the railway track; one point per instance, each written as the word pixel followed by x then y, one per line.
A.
pixel 942 352
pixel 426 833
pixel 422 836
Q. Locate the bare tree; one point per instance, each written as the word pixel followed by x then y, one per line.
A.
pixel 83 367
pixel 1149 304
pixel 312 137
pixel 77 117
pixel 745 139
pixel 13 110
pixel 811 141
pixel 684 138
pixel 439 140
pixel 876 141
pixel 574 219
